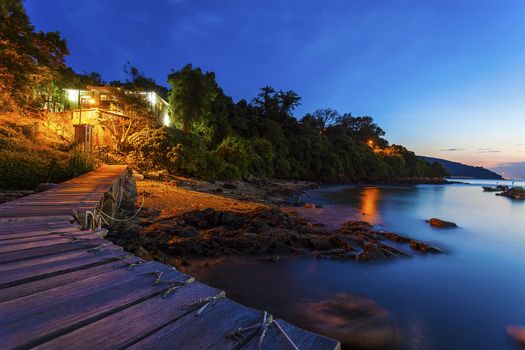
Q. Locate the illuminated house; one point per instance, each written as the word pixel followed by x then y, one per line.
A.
pixel 81 111
pixel 101 98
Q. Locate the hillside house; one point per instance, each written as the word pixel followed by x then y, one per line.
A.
pixel 81 109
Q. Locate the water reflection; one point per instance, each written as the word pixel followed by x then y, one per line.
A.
pixel 370 197
pixel 435 300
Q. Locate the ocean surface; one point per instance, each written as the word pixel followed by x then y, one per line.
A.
pixel 462 299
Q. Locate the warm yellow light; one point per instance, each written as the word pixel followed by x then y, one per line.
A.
pixel 166 120
pixel 72 95
pixel 92 101
pixel 152 98
pixel 370 142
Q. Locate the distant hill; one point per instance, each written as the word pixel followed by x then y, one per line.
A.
pixel 462 170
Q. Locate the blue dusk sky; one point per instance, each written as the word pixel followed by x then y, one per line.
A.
pixel 446 78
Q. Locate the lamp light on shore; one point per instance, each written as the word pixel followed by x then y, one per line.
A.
pixel 371 143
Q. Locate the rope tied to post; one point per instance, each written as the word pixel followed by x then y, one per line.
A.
pixel 203 303
pixel 174 285
pixel 105 216
pixel 100 248
pixel 240 333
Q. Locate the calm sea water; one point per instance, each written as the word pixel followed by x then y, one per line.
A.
pixel 459 300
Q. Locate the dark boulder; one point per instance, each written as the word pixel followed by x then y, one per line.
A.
pixel 441 223
pixel 45 186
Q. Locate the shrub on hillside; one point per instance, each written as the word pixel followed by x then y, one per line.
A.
pixel 30 155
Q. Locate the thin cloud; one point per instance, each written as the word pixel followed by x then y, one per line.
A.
pixel 487 150
pixel 452 149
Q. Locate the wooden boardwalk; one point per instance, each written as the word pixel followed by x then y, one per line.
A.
pixel 66 288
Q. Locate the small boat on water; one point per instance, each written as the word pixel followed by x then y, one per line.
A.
pixel 498 188
pixel 490 189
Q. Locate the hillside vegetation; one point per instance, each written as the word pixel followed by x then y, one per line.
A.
pixel 464 170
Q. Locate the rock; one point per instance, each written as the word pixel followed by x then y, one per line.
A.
pixel 187 232
pixel 230 186
pixel 218 190
pixel 152 176
pixel 45 186
pixel 377 251
pixel 441 223
pixel 141 252
pixel 515 192
pixel 424 247
pixel 138 177
pixel 272 258
pixel 350 227
pixel 517 333
pixel 309 205
pixel 230 219
pixel 356 321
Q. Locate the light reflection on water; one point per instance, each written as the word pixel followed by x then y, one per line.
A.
pixel 459 300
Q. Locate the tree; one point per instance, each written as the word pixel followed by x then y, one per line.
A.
pixel 363 129
pixel 192 95
pixel 29 60
pixel 321 118
pixel 137 80
pixel 136 115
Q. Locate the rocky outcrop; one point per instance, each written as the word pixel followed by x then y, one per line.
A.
pixel 267 231
pixel 514 192
pixel 441 223
pixel 356 321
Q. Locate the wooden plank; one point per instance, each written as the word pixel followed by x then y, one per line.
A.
pixel 42 235
pixel 29 263
pixel 206 331
pixel 37 232
pixel 17 276
pixel 6 248
pixel 82 272
pixel 65 295
pixel 134 323
pixel 26 322
pixel 54 249
pixel 302 339
pixel 33 226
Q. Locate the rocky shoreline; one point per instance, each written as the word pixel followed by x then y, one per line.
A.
pixel 176 233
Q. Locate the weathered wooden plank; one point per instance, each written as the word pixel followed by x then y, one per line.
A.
pixel 6 248
pixel 26 237
pixel 302 339
pixel 37 232
pixel 54 249
pixel 65 277
pixel 29 263
pixel 65 295
pixel 17 276
pixel 32 226
pixel 69 307
pixel 134 323
pixel 206 331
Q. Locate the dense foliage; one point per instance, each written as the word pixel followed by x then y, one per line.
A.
pixel 30 154
pixel 262 138
pixel 29 60
pixel 32 68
